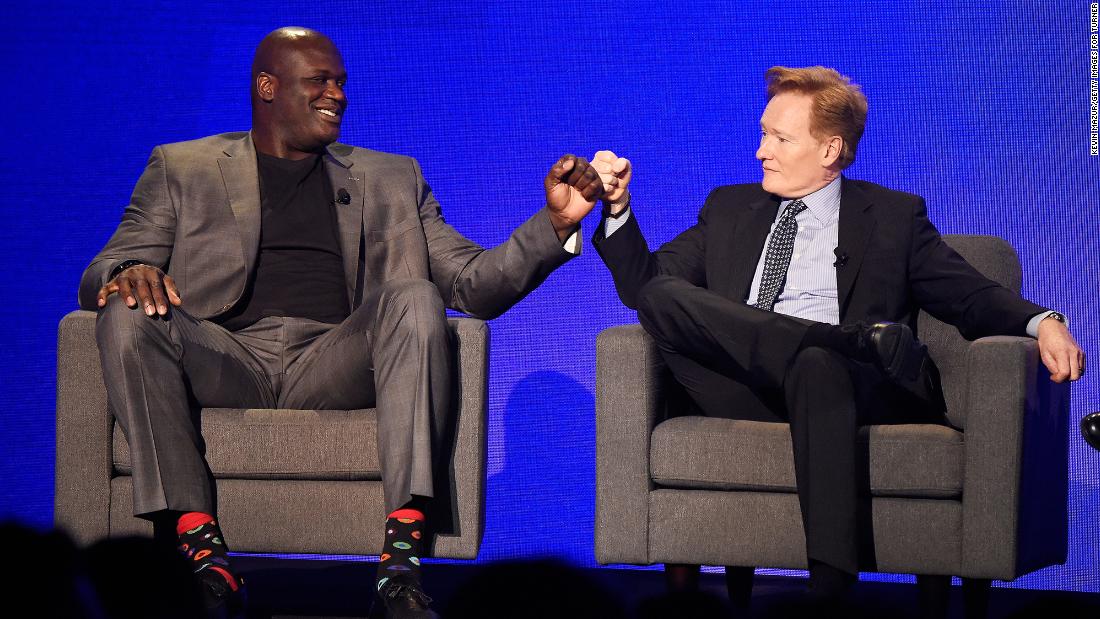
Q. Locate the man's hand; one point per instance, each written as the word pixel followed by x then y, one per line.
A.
pixel 615 172
pixel 572 188
pixel 1060 352
pixel 142 286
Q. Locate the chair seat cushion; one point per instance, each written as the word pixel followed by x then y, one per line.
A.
pixel 282 444
pixel 909 460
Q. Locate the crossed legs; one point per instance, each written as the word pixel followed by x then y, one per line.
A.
pixel 741 362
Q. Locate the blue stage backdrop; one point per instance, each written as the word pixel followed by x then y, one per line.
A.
pixel 982 108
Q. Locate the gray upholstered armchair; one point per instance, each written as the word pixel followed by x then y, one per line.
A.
pixel 274 469
pixel 984 501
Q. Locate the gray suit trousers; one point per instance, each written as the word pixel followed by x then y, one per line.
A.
pixel 391 352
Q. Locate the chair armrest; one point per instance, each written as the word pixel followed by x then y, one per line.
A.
pixel 1015 482
pixel 82 473
pixel 470 339
pixel 629 404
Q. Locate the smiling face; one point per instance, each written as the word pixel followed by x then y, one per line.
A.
pixel 795 162
pixel 302 98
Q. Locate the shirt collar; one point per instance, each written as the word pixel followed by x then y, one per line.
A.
pixel 823 204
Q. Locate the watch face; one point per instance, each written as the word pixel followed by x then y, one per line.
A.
pixel 1057 316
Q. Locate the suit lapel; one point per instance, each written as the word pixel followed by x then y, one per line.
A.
pixel 757 222
pixel 341 174
pixel 242 184
pixel 857 222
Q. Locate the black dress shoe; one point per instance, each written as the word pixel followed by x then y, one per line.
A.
pixel 1090 429
pixel 828 586
pixel 901 357
pixel 402 600
pixel 221 601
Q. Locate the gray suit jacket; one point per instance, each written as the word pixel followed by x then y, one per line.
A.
pixel 195 213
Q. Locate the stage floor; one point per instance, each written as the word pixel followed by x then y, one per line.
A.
pixel 301 588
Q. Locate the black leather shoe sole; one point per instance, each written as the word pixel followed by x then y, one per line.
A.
pixel 1090 429
pixel 902 358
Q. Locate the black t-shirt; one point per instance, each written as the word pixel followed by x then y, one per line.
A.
pixel 299 268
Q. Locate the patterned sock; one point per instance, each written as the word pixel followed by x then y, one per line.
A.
pixel 201 541
pixel 400 557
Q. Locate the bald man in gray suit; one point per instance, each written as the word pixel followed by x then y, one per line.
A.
pixel 278 268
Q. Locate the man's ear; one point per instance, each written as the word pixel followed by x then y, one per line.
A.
pixel 266 84
pixel 831 149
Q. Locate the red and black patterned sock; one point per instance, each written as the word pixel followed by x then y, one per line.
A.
pixel 401 552
pixel 201 541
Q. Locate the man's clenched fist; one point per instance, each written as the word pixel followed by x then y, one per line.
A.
pixel 615 174
pixel 572 188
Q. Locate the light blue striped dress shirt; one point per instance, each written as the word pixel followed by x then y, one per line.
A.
pixel 810 289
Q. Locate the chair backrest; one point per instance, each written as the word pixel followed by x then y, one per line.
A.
pixel 993 257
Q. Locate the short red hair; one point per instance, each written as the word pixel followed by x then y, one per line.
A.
pixel 839 107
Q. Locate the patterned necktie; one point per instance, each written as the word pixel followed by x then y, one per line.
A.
pixel 778 258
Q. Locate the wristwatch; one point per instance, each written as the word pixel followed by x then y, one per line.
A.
pixel 1057 316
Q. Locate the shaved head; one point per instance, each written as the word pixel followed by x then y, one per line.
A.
pixel 298 98
pixel 275 49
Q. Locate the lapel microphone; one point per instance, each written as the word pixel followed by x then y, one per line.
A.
pixel 343 197
pixel 841 257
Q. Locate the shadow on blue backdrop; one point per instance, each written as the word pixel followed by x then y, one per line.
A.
pixel 541 500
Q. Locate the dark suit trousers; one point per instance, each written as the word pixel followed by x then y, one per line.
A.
pixel 392 353
pixel 741 362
